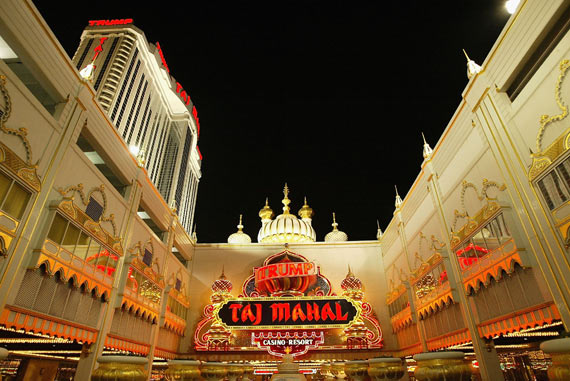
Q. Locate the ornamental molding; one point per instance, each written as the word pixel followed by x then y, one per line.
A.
pixel 489 201
pixel 68 203
pixel 25 170
pixel 543 157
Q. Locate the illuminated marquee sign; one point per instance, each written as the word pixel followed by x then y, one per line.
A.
pixel 110 22
pixel 300 312
pixel 284 270
pixel 295 342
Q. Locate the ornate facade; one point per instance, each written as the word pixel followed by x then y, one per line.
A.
pixel 95 259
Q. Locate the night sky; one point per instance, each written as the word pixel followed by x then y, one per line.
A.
pixel 329 96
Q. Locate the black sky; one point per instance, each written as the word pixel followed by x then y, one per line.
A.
pixel 329 96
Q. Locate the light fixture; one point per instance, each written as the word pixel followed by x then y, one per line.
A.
pixel 512 5
pixel 134 149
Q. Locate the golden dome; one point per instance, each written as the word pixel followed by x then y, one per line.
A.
pixel 286 227
pixel 306 211
pixel 266 213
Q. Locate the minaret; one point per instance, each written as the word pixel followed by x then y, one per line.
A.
pixel 472 67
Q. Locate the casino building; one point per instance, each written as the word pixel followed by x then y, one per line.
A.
pixel 99 168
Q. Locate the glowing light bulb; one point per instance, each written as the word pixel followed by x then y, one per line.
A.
pixel 134 149
pixel 512 5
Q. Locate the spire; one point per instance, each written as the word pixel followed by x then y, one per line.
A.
pixel 427 149
pixel 472 67
pixel 240 226
pixel 399 201
pixel 286 200
pixel 194 236
pixel 349 272
pixel 379 232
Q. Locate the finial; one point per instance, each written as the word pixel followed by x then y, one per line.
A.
pixel 194 236
pixel 472 67
pixel 399 201
pixel 223 275
pixel 334 224
pixel 266 214
pixel 240 225
pixel 379 232
pixel 349 272
pixel 427 149
pixel 286 200
pixel 266 201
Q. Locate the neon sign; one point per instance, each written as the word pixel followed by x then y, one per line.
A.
pixel 294 342
pixel 284 270
pixel 163 60
pixel 110 22
pixel 282 312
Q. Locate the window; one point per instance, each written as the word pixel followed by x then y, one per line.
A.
pixel 13 197
pixel 75 242
pixel 487 239
pixel 555 186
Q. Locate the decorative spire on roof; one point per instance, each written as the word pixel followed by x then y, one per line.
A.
pixel 336 235
pixel 399 201
pixel 239 237
pixel 194 236
pixel 379 232
pixel 427 149
pixel 472 67
pixel 306 212
pixel 286 200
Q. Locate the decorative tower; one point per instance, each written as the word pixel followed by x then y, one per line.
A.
pixel 356 333
pixel 218 337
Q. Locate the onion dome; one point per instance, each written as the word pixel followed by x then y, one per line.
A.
pixel 266 213
pixel 222 285
pixel 336 235
pixel 351 282
pixel 472 67
pixel 306 212
pixel 427 149
pixel 239 237
pixel 352 286
pixel 286 227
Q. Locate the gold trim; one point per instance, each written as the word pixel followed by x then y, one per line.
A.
pixel 542 159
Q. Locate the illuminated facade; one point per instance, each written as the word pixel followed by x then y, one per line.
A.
pixel 148 107
pixel 96 255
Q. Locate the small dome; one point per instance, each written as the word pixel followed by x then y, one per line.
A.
pixel 336 235
pixel 222 285
pixel 351 282
pixel 306 211
pixel 239 237
pixel 266 213
pixel 286 227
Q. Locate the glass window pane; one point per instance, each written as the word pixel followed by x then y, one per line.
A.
pixel 553 190
pixel 5 182
pixel 82 246
pixel 57 229
pixel 70 238
pixel 16 201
